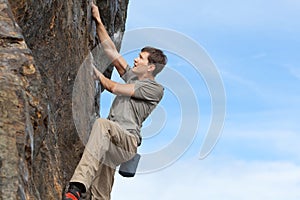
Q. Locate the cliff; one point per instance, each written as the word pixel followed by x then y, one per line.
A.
pixel 47 94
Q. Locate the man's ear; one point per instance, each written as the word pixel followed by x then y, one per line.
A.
pixel 151 67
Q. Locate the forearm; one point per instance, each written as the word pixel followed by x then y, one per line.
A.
pixel 106 42
pixel 114 87
pixel 110 49
pixel 107 83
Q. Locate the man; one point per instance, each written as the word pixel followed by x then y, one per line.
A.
pixel 115 140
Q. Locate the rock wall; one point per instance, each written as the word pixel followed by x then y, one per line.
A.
pixel 45 52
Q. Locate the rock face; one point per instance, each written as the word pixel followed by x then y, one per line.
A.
pixel 47 94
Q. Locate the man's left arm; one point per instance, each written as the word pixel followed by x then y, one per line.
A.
pixel 114 87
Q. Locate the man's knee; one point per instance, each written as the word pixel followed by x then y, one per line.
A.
pixel 102 124
pixel 102 121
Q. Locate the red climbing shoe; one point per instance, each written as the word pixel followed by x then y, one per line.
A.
pixel 72 194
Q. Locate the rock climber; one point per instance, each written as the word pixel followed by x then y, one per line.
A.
pixel 115 140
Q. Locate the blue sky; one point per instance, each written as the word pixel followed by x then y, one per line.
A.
pixel 255 46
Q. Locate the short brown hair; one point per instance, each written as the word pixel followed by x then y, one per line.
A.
pixel 156 57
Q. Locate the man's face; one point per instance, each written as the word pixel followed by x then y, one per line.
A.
pixel 141 63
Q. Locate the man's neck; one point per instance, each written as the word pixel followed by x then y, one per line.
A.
pixel 146 76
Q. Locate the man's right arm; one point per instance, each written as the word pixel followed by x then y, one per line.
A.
pixel 109 47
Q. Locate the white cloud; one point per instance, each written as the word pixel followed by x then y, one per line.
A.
pixel 263 143
pixel 294 71
pixel 240 80
pixel 214 179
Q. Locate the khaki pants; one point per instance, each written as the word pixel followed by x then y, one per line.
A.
pixel 109 145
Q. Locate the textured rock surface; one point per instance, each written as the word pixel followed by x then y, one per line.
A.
pixel 44 46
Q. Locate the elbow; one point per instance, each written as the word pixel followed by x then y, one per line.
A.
pixel 113 88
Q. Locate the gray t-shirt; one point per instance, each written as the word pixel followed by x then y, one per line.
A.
pixel 130 112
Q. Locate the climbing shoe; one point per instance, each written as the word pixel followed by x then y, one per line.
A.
pixel 73 193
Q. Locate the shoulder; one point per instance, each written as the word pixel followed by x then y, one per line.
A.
pixel 148 89
pixel 149 83
pixel 128 76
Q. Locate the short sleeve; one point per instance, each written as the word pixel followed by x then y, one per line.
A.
pixel 148 90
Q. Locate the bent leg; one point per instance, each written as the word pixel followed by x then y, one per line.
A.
pixel 108 145
pixel 94 151
pixel 123 147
